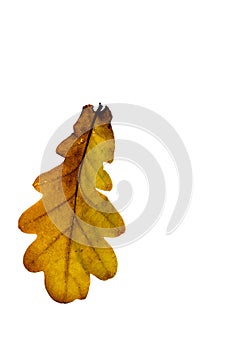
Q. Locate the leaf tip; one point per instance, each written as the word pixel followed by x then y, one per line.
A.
pixel 87 106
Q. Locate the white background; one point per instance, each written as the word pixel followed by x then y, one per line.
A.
pixel 176 58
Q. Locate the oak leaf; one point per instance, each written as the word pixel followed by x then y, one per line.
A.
pixel 72 217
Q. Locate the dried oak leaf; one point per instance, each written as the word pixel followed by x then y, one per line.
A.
pixel 72 218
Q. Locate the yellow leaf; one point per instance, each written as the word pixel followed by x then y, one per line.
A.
pixel 72 218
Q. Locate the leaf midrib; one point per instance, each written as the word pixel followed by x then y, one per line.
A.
pixel 75 198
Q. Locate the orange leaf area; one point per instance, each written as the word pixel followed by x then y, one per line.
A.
pixel 73 217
